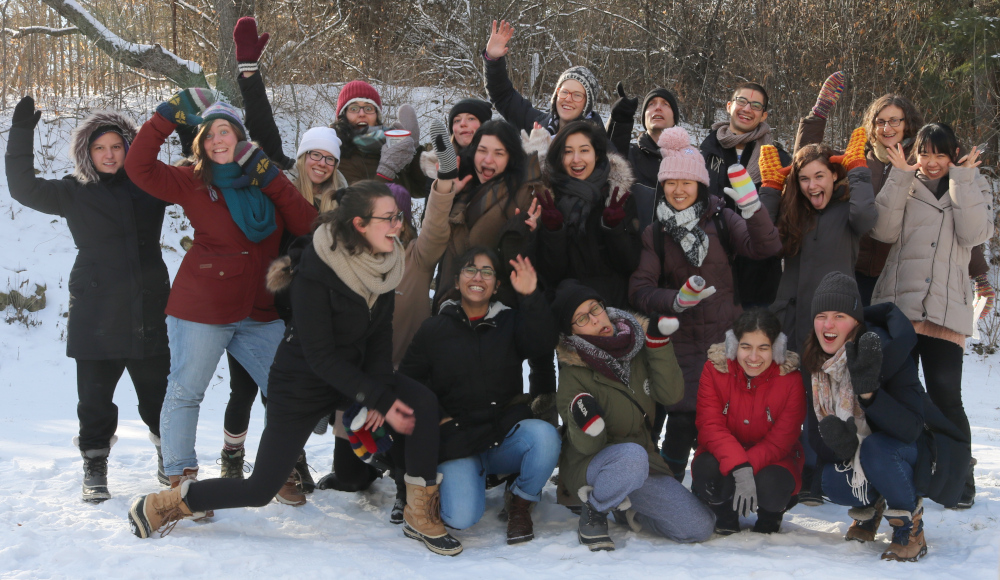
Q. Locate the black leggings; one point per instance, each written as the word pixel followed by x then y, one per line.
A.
pixel 287 431
pixel 242 392
pixel 681 437
pixel 96 381
pixel 775 484
pixel 942 363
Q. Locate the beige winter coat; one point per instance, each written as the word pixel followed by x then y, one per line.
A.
pixel 927 273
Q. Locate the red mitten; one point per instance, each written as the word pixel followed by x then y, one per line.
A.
pixel 614 213
pixel 249 46
pixel 552 218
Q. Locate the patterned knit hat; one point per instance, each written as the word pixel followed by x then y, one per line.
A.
pixel 680 159
pixel 481 110
pixel 359 91
pixel 838 292
pixel 582 75
pixel 323 138
pixel 221 110
pixel 365 443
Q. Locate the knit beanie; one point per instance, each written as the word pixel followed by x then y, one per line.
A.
pixel 403 201
pixel 221 110
pixel 481 110
pixel 323 138
pixel 359 91
pixel 570 294
pixel 680 159
pixel 666 96
pixel 104 130
pixel 582 75
pixel 838 292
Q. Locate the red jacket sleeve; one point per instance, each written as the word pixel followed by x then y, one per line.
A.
pixel 713 432
pixel 787 427
pixel 298 213
pixel 171 184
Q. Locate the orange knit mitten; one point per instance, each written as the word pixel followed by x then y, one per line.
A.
pixel 772 174
pixel 855 154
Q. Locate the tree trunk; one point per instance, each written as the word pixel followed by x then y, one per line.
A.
pixel 229 11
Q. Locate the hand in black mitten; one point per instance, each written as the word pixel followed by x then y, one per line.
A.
pixel 864 363
pixel 25 115
pixel 840 436
pixel 587 414
pixel 623 110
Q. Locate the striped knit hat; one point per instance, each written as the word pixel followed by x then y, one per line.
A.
pixel 220 110
pixel 365 443
pixel 582 75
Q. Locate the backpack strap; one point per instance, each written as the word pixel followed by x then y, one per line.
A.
pixel 722 229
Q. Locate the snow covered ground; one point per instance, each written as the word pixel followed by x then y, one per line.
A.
pixel 47 532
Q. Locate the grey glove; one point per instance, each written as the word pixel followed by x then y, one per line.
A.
pixel 408 119
pixel 745 496
pixel 395 156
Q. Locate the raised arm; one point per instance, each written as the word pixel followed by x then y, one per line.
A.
pixel 45 195
pixel 513 107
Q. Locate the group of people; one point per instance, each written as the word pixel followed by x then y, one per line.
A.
pixel 753 303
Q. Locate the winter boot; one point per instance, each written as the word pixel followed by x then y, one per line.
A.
pixel 968 496
pixel 190 474
pixel 161 475
pixel 811 493
pixel 289 493
pixel 908 543
pixel 396 515
pixel 95 475
pixel 422 516
pixel 232 464
pixel 866 521
pixel 161 510
pixel 519 526
pixel 593 529
pixel 768 522
pixel 304 479
pixel 727 521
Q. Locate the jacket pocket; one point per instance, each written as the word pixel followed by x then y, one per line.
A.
pixel 221 266
pixel 82 279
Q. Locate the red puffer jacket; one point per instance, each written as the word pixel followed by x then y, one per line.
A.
pixel 221 279
pixel 756 421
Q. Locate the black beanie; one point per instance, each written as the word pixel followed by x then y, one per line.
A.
pixel 666 96
pixel 481 110
pixel 570 294
pixel 104 129
pixel 838 292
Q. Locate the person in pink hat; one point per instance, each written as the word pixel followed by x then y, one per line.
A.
pixel 685 269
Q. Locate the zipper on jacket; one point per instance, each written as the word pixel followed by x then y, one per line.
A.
pixel 725 409
pixel 768 410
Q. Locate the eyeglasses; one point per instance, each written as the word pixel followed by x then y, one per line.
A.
pixel 575 97
pixel 328 159
pixel 355 109
pixel 394 220
pixel 583 319
pixel 471 271
pixel 754 105
pixel 881 123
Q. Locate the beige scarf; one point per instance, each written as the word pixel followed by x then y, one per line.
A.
pixel 729 140
pixel 369 275
pixel 881 153
pixel 834 395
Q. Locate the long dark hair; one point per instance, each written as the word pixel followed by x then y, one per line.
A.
pixel 597 137
pixel 468 258
pixel 517 160
pixel 813 355
pixel 796 215
pixel 357 200
pixel 756 319
pixel 937 138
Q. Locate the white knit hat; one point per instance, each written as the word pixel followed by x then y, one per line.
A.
pixel 323 138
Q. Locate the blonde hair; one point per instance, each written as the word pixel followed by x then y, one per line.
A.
pixel 321 191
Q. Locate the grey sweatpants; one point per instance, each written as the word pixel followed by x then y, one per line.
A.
pixel 662 504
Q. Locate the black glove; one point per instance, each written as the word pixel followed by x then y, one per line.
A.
pixel 840 436
pixel 25 115
pixel 623 110
pixel 586 413
pixel 864 363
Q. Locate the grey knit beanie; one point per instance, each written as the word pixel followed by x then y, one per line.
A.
pixel 838 292
pixel 582 75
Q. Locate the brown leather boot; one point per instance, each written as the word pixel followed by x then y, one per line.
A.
pixel 422 517
pixel 908 544
pixel 159 511
pixel 190 473
pixel 519 526
pixel 866 522
pixel 289 493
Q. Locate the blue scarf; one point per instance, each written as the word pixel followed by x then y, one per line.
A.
pixel 252 211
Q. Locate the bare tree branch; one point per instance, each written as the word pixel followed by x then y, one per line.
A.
pixel 26 30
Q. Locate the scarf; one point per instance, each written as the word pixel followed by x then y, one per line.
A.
pixel 729 140
pixel 684 229
pixel 369 275
pixel 611 355
pixel 881 153
pixel 833 395
pixel 371 141
pixel 252 211
pixel 576 197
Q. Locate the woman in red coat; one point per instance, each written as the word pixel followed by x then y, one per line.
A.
pixel 750 411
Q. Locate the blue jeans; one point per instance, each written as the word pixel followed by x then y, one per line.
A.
pixel 530 449
pixel 195 350
pixel 888 465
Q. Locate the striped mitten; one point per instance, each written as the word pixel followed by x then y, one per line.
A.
pixel 692 292
pixel 742 191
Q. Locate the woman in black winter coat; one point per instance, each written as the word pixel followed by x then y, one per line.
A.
pixel 119 284
pixel 590 228
pixel 470 355
pixel 337 351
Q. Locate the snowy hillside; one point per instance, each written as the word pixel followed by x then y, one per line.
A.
pixel 47 532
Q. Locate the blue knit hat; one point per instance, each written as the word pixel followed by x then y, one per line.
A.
pixel 221 110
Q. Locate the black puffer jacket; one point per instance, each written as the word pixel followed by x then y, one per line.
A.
pixel 119 284
pixel 335 351
pixel 474 368
pixel 644 157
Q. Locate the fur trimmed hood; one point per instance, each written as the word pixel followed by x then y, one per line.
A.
pixel 279 275
pixel 720 358
pixel 79 147
pixel 568 355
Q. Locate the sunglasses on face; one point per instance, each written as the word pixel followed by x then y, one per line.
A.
pixel 584 318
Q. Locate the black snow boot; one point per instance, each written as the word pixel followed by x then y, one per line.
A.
pixel 768 522
pixel 161 475
pixel 593 529
pixel 95 475
pixel 303 480
pixel 969 493
pixel 727 521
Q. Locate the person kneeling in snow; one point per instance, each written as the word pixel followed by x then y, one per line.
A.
pixel 612 369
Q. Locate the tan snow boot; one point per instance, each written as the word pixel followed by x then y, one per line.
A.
pixel 908 544
pixel 159 511
pixel 866 522
pixel 422 516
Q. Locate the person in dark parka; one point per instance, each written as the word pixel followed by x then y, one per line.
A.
pixel 119 284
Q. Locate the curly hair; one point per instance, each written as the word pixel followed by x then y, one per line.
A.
pixel 912 119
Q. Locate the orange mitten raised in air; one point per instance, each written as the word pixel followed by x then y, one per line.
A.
pixel 772 174
pixel 855 155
